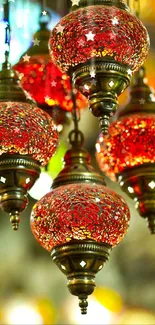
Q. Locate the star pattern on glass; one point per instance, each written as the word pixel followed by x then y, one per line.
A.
pixel 60 28
pixel 36 41
pixel 53 83
pixel 115 21
pixel 75 2
pixel 46 98
pixel 44 13
pixel 93 82
pixel 92 73
pixel 142 101
pixel 26 58
pixel 90 36
pixel 81 42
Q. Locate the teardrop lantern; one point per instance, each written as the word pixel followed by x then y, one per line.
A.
pixel 127 153
pixel 45 82
pixel 28 139
pixel 79 221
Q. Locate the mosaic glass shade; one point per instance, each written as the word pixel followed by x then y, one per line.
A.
pixel 99 31
pixel 46 83
pixel 79 212
pixel 130 143
pixel 27 130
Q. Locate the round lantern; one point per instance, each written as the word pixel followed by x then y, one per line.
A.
pixel 127 153
pixel 50 88
pixel 79 222
pixel 28 139
pixel 100 45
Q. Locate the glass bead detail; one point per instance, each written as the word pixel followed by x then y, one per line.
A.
pixel 70 212
pixel 90 32
pixel 25 129
pixel 46 83
pixel 130 142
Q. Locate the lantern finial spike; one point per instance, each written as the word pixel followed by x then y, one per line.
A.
pixel 83 304
pixel 14 219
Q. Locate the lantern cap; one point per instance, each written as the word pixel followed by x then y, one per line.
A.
pixel 138 183
pixel 117 3
pixel 142 98
pixel 80 261
pixel 10 88
pixel 78 166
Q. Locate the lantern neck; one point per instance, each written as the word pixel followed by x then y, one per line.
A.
pixel 78 169
pixel 10 89
pixel 140 88
pixel 117 3
pixel 142 98
pixel 42 36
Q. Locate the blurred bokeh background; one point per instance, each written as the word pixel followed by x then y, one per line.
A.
pixel 32 290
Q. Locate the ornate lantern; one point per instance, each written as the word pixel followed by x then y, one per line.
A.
pixel 28 139
pixel 45 82
pixel 79 221
pixel 127 153
pixel 100 45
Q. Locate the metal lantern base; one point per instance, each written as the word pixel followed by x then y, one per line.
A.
pixel 18 174
pixel 102 80
pixel 80 261
pixel 139 184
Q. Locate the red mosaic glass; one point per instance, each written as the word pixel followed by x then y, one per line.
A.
pixel 46 83
pixel 130 142
pixel 27 130
pixel 99 31
pixel 79 212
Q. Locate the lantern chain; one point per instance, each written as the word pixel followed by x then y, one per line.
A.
pixel 76 137
pixel 7 30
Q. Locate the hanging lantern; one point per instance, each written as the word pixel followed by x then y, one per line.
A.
pixel 28 139
pixel 100 45
pixel 45 82
pixel 79 221
pixel 127 153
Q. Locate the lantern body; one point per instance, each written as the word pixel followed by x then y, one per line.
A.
pixel 130 143
pixel 46 83
pixel 77 212
pixel 99 31
pixel 27 130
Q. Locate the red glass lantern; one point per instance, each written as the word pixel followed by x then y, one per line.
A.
pixel 79 221
pixel 79 212
pixel 127 153
pixel 27 130
pixel 40 77
pixel 46 83
pixel 28 139
pixel 100 46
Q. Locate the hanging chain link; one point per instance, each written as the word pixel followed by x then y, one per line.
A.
pixel 76 137
pixel 7 30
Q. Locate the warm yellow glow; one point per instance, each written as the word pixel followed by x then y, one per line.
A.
pixel 97 314
pixel 136 317
pixel 23 314
pixel 109 298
